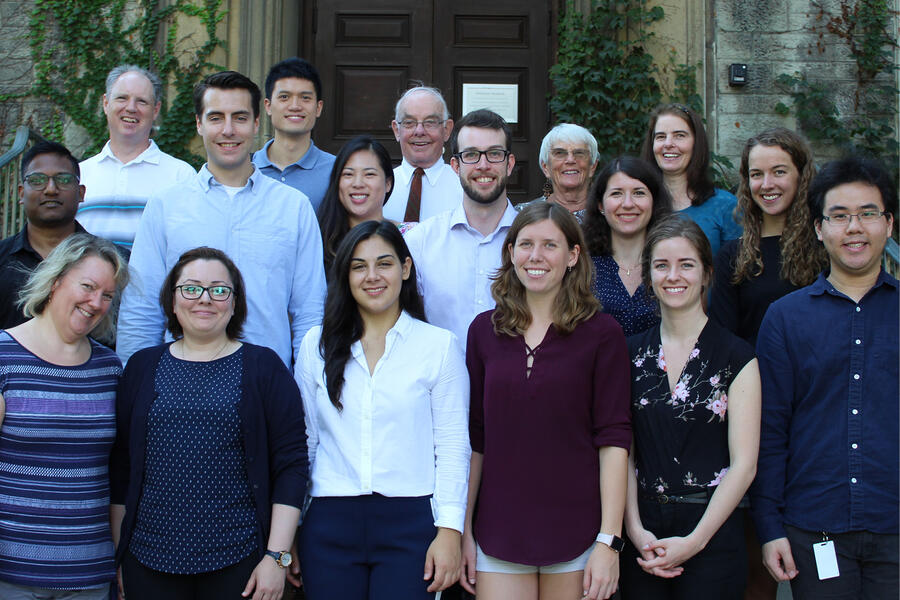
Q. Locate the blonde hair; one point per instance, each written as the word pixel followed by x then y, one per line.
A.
pixel 574 302
pixel 35 294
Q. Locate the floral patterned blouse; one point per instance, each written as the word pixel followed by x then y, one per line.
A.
pixel 681 434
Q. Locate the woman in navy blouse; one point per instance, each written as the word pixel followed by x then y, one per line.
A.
pixel 549 423
pixel 628 197
pixel 695 404
pixel 209 469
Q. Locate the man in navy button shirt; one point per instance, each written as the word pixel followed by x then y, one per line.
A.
pixel 828 357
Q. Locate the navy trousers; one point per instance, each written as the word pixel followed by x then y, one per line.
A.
pixel 366 548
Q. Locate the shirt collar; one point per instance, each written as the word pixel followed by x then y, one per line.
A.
pixel 458 217
pixel 150 155
pixel 821 284
pixel 307 161
pixel 207 180
pixel 401 329
pixel 432 173
pixel 21 242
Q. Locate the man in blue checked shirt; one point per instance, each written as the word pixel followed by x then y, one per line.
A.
pixel 825 497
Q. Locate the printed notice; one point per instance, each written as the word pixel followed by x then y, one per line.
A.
pixel 502 98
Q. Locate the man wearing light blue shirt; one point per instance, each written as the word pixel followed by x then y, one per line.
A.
pixel 457 252
pixel 267 228
pixel 294 102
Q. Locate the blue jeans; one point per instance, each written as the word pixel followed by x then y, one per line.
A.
pixel 867 563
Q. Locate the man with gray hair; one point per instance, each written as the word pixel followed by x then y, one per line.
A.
pixel 424 185
pixel 131 167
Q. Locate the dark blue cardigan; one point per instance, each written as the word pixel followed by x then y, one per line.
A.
pixel 272 427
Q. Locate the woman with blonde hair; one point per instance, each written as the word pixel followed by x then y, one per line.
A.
pixel 549 423
pixel 58 387
pixel 778 251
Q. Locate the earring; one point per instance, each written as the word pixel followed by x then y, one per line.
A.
pixel 568 269
pixel 547 190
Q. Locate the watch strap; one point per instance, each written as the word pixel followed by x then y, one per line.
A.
pixel 615 543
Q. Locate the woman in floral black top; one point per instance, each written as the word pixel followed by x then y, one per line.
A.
pixel 695 410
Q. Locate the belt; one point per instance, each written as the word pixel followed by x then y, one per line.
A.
pixel 696 498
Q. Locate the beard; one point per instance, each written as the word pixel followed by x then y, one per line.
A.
pixel 486 197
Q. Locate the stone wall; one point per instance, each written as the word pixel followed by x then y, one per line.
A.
pixel 772 37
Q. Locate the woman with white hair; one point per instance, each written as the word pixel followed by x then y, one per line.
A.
pixel 568 159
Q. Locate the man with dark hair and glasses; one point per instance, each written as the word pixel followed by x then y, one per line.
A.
pixel 456 252
pixel 424 185
pixel 50 193
pixel 826 492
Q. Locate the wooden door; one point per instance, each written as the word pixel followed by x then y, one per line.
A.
pixel 369 51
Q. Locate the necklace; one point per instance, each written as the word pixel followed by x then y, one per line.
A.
pixel 627 269
pixel 222 347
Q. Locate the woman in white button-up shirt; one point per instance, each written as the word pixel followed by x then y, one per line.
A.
pixel 386 398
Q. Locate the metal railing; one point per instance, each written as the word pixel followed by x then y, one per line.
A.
pixel 12 216
pixel 891 259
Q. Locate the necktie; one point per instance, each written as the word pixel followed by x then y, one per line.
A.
pixel 415 197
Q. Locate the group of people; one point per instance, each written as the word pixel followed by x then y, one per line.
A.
pixel 585 395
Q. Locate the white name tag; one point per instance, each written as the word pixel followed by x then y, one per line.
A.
pixel 826 560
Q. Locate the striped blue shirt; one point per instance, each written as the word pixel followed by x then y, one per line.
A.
pixel 54 482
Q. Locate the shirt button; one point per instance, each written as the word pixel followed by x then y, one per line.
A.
pixel 282 178
pixel 859 342
pixel 856 376
pixel 854 446
pixel 854 411
pixel 853 480
pixel 858 309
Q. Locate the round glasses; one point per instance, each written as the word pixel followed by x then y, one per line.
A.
pixel 219 293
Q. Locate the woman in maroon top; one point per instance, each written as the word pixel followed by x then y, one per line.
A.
pixel 549 423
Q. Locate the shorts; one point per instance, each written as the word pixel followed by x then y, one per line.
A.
pixel 489 564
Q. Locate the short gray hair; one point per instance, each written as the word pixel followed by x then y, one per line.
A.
pixel 425 89
pixel 571 133
pixel 117 72
pixel 35 294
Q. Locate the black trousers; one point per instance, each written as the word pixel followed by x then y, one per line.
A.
pixel 718 571
pixel 142 583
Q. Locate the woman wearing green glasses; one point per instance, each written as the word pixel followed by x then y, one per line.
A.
pixel 209 468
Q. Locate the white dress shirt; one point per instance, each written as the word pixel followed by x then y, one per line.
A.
pixel 454 266
pixel 441 191
pixel 116 192
pixel 270 232
pixel 403 430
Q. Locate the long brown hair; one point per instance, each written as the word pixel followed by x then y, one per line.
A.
pixel 574 302
pixel 802 257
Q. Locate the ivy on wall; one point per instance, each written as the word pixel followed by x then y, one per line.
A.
pixel 75 44
pixel 866 27
pixel 607 81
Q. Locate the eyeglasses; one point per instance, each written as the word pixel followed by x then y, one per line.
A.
pixel 428 124
pixel 470 157
pixel 63 181
pixel 563 154
pixel 866 216
pixel 219 293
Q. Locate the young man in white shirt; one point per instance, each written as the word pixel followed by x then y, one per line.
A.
pixel 457 252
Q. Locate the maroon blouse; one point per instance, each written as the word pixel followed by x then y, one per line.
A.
pixel 539 501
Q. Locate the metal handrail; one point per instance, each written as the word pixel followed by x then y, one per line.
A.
pixel 12 215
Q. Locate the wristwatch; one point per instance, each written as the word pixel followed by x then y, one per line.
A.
pixel 615 543
pixel 282 558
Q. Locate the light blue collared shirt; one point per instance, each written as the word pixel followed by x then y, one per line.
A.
pixel 270 232
pixel 310 174
pixel 454 264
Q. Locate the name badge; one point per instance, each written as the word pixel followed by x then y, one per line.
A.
pixel 826 559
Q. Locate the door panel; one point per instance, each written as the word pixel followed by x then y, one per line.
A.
pixel 369 52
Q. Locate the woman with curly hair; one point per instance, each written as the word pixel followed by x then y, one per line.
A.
pixel 676 143
pixel 549 423
pixel 778 252
pixel 627 199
